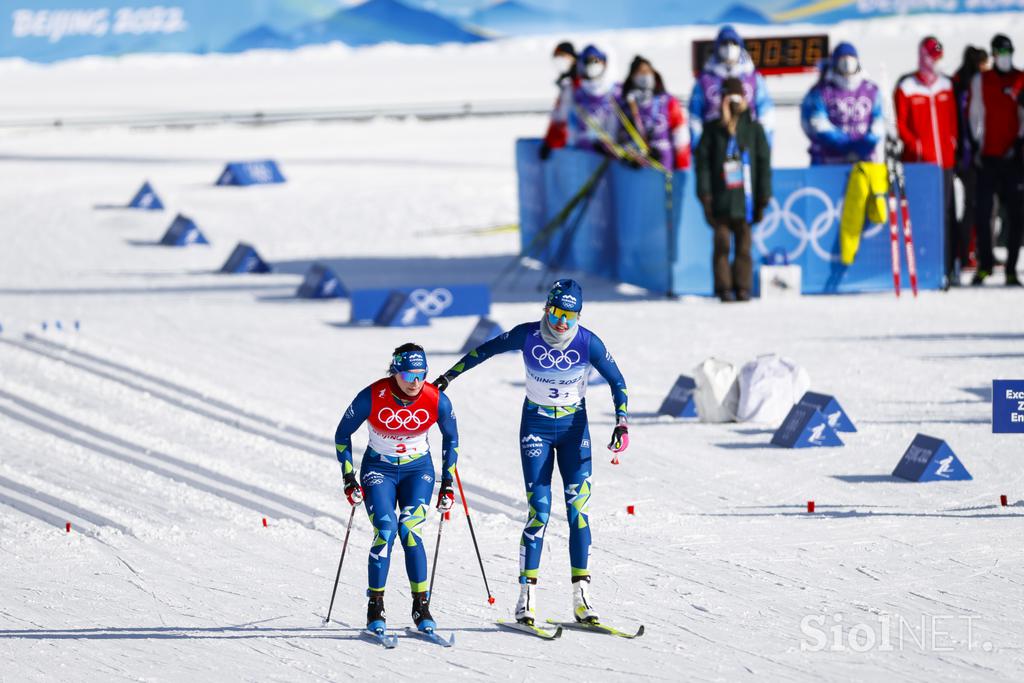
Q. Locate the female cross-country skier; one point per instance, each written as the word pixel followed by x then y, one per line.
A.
pixel 558 353
pixel 397 471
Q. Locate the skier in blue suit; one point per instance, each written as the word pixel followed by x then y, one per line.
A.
pixel 558 353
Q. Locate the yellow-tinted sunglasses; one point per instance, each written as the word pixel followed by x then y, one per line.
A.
pixel 555 314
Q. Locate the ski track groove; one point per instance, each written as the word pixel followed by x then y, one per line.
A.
pixel 168 384
pixel 93 518
pixel 167 398
pixel 155 469
pixel 281 501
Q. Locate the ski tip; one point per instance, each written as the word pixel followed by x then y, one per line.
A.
pixel 557 633
pixel 639 631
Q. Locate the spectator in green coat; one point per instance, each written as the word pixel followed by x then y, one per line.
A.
pixel 734 184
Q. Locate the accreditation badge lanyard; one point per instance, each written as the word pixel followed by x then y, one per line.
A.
pixel 736 173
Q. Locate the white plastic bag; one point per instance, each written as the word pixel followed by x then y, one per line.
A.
pixel 717 392
pixel 769 386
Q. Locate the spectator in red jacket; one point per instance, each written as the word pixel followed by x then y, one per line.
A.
pixel 996 126
pixel 927 121
pixel 564 60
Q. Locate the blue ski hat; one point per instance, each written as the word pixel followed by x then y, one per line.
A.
pixel 843 49
pixel 728 34
pixel 408 357
pixel 592 52
pixel 567 295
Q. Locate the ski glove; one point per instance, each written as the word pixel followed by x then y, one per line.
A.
pixel 441 382
pixel 353 491
pixel 620 437
pixel 445 496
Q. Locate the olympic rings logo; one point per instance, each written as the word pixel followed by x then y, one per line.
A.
pixel 553 358
pixel 808 235
pixel 431 302
pixel 403 418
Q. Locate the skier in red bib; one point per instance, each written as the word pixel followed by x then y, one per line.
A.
pixel 397 473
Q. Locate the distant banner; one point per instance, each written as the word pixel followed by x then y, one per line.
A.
pixel 49 30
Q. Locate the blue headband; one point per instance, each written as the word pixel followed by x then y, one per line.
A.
pixel 408 360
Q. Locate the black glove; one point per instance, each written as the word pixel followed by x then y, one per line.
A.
pixel 545 151
pixel 441 382
pixel 445 496
pixel 759 211
pixel 353 491
pixel 705 202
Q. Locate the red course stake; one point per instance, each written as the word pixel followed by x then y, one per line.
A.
pixel 810 506
pixel 1002 500
pixel 630 510
pixel 264 522
pixel 67 527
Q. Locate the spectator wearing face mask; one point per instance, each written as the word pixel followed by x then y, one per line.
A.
pixel 842 117
pixel 655 116
pixel 729 60
pixel 564 61
pixel 842 113
pixel 927 123
pixel 734 185
pixel 590 113
pixel 975 60
pixel 996 126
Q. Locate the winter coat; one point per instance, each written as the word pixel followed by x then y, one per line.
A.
pixel 710 167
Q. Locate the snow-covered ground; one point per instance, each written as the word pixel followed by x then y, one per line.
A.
pixel 189 406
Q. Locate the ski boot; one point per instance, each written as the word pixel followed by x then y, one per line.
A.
pixel 421 613
pixel 526 612
pixel 375 617
pixel 581 607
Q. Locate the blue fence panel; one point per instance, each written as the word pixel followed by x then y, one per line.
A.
pixel 626 234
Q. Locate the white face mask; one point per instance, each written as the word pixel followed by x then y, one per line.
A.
pixel 847 66
pixel 729 53
pixel 644 81
pixel 561 64
pixel 1004 62
pixel 594 69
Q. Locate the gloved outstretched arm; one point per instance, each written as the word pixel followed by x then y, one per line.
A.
pixel 512 340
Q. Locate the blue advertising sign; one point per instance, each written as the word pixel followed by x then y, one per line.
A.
pixel 147 199
pixel 679 402
pixel 805 427
pixel 182 232
pixel 431 300
pixel 245 259
pixel 930 459
pixel 1008 406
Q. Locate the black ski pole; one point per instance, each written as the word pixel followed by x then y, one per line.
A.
pixel 433 570
pixel 462 495
pixel 544 235
pixel 565 245
pixel 344 547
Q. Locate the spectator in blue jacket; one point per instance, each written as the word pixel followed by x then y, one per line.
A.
pixel 729 60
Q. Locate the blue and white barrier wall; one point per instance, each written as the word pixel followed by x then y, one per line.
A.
pixel 629 233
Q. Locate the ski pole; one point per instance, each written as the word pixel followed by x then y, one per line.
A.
pixel 344 547
pixel 433 570
pixel 462 495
